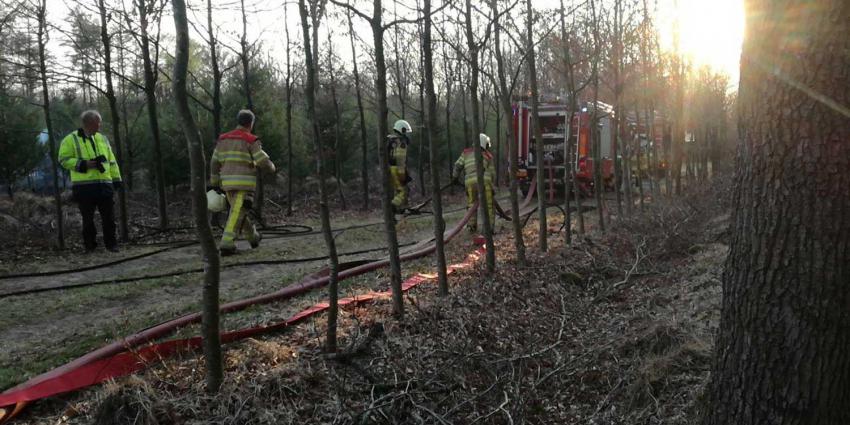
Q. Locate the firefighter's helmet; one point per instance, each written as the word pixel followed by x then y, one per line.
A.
pixel 402 127
pixel 484 140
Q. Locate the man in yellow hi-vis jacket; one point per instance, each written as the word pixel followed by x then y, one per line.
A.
pixel 237 156
pixel 95 176
pixel 397 151
pixel 466 165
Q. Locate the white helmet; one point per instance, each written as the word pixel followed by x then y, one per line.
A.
pixel 402 127
pixel 484 140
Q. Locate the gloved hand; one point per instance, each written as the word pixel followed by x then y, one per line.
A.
pixel 100 159
pixel 215 188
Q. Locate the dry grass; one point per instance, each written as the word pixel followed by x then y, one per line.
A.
pixel 616 329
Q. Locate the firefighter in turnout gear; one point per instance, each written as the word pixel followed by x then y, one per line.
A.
pixel 397 144
pixel 466 165
pixel 95 176
pixel 237 156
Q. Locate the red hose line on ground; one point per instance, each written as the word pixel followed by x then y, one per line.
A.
pixel 70 375
pixel 129 362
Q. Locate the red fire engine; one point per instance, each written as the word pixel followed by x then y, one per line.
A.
pixel 556 161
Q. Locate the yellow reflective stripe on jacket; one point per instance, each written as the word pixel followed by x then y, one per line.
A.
pixel 73 150
pixel 466 163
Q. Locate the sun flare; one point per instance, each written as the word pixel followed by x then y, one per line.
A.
pixel 711 32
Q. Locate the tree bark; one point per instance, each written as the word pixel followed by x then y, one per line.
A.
pixel 249 99
pixel 310 96
pixel 364 165
pixel 290 173
pixel 490 258
pixel 113 109
pixel 197 161
pixel 507 111
pixel 41 11
pixel 538 135
pixel 216 74
pixel 338 118
pixel 153 119
pixel 431 134
pixel 781 353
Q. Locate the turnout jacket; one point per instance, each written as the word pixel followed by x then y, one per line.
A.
pixel 235 160
pixel 77 148
pixel 466 164
pixel 397 149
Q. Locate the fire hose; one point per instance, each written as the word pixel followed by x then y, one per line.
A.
pixel 87 370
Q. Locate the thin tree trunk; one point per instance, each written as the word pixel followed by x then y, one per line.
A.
pixel 364 164
pixel 618 110
pixel 507 111
pixel 197 161
pixel 338 118
pixel 449 158
pixel 116 117
pixel 216 74
pixel 781 352
pixel 383 131
pixel 572 106
pixel 153 119
pixel 538 135
pixel 41 10
pixel 430 130
pixel 598 183
pixel 476 128
pixel 640 174
pixel 249 99
pixel 290 198
pixel 421 162
pixel 324 211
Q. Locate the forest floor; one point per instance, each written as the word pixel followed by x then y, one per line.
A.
pixel 616 328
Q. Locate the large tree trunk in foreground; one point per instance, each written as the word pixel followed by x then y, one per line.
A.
pixel 197 163
pixel 782 350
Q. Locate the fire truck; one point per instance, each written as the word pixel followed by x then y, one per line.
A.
pixel 556 161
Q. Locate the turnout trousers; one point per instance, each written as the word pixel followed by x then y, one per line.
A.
pixel 238 222
pixel 398 180
pixel 104 206
pixel 472 196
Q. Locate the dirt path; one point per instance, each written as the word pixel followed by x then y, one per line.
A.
pixel 72 322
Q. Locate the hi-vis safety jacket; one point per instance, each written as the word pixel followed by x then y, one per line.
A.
pixel 466 164
pixel 235 160
pixel 76 149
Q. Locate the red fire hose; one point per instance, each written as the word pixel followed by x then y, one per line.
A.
pixel 115 359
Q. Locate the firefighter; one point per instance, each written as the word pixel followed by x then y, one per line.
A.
pixel 466 164
pixel 95 176
pixel 397 144
pixel 233 169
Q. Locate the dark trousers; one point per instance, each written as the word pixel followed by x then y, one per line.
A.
pixel 107 216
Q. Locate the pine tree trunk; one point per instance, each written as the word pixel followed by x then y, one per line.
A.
pixel 249 99
pixel 473 47
pixel 290 174
pixel 216 75
pixel 338 118
pixel 507 111
pixel 364 163
pixel 310 95
pixel 431 134
pixel 41 10
pixel 781 353
pixel 153 119
pixel 197 162
pixel 116 117
pixel 538 134
pixel 383 131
